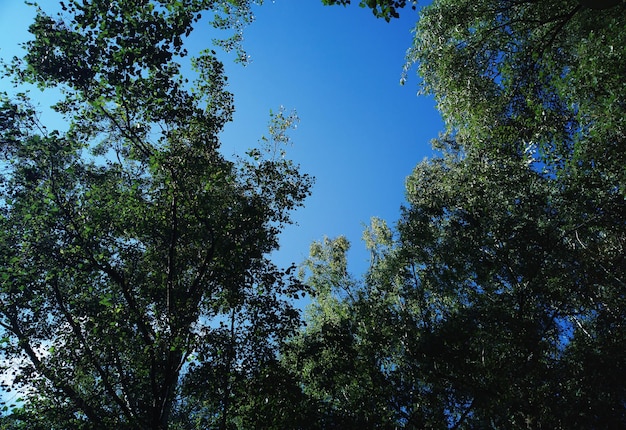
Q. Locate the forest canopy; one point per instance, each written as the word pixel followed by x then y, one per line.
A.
pixel 137 288
pixel 498 298
pixel 137 291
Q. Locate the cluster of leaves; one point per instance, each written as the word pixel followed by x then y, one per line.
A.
pixel 386 9
pixel 136 291
pixel 546 73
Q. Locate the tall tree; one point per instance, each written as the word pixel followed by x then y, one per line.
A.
pixel 348 358
pixel 136 291
pixel 495 304
pixel 503 290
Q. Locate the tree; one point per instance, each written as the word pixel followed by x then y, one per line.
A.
pixel 543 79
pixel 500 301
pixel 136 291
pixel 341 357
pixel 544 75
pixel 513 295
pixel 484 309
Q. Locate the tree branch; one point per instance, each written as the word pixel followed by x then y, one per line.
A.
pixel 88 351
pixel 58 383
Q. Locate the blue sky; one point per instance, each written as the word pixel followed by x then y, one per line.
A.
pixel 361 132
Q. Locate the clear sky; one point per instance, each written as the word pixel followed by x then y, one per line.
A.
pixel 361 132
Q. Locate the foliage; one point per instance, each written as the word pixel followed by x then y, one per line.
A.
pixel 512 295
pixel 343 355
pixel 498 299
pixel 136 291
pixel 547 73
pixel 485 309
pixel 386 9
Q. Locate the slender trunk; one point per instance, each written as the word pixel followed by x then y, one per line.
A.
pixel 226 389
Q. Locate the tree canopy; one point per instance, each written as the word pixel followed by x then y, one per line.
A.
pixel 497 301
pixel 509 76
pixel 136 287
